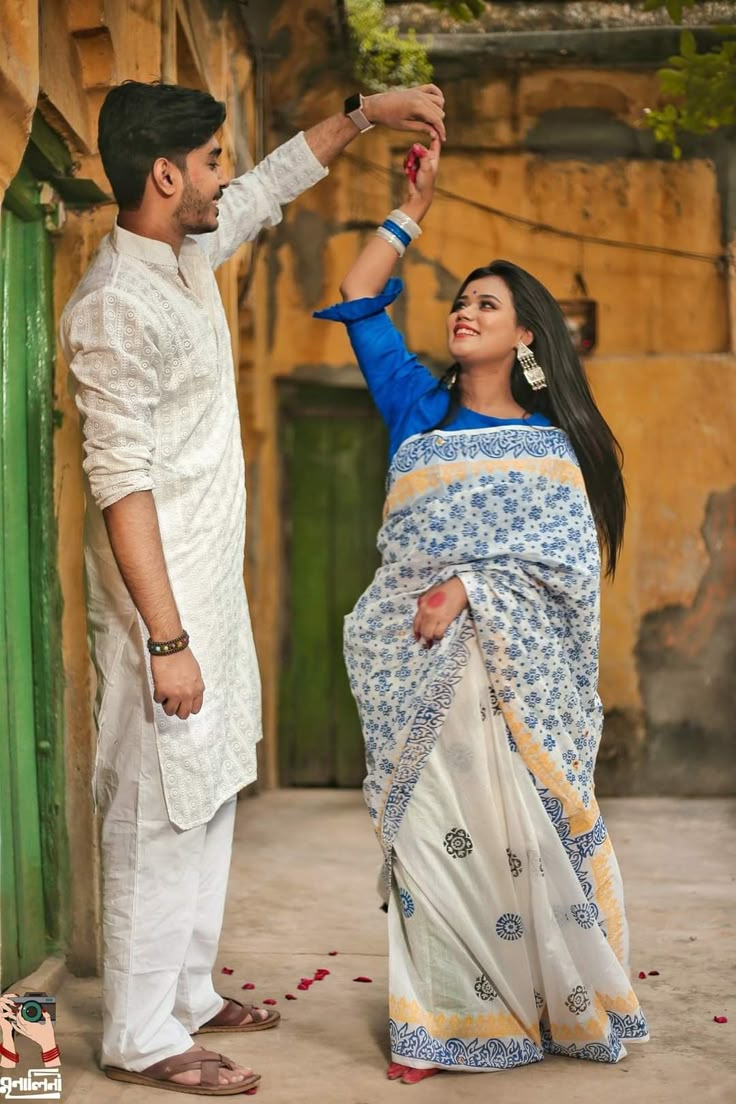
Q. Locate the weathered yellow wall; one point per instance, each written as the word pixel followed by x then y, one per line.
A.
pixel 663 371
pixel 18 83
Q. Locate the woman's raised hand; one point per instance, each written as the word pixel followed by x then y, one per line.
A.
pixel 421 189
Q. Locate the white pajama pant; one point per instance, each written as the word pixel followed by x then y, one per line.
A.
pixel 163 898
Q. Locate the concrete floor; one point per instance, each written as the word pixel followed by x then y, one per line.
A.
pixel 303 884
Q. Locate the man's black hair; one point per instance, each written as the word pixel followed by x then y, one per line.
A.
pixel 141 122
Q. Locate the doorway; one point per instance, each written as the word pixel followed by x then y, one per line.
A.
pixel 334 450
pixel 31 682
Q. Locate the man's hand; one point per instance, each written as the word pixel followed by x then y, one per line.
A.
pixel 409 109
pixel 178 685
pixel 437 608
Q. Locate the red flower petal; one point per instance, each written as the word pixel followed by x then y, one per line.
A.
pixel 720 1019
pixel 306 981
pixel 269 1000
pixel 248 985
pixel 290 996
pixel 250 1092
pixel 332 952
pixel 362 979
pixel 227 970
pixel 320 975
pixel 654 973
pixel 642 974
pixel 303 988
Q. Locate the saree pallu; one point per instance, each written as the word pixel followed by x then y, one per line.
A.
pixel 507 932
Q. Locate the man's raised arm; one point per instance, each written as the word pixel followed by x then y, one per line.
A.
pixel 254 200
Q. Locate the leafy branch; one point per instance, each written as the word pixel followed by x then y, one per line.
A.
pixel 382 57
pixel 700 88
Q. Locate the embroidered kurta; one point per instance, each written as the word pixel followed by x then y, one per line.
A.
pixel 152 375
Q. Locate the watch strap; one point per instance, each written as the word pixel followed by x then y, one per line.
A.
pixel 354 111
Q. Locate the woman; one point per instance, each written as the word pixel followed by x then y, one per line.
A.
pixel 473 657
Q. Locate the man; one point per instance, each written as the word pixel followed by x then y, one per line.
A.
pixel 147 342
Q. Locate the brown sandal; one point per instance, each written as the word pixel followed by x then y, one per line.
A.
pixel 228 1019
pixel 206 1061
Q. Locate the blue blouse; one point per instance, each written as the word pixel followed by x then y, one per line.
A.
pixel 409 398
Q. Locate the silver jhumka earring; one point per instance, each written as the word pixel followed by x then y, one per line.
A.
pixel 532 372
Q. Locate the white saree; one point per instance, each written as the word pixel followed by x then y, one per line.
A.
pixel 507 932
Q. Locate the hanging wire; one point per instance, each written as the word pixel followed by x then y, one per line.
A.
pixel 722 261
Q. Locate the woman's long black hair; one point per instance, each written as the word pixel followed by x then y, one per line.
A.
pixel 567 400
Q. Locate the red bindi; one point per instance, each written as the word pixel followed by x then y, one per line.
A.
pixel 437 599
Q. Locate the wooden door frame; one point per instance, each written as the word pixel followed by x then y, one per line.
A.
pixel 35 770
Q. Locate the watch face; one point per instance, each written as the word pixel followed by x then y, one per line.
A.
pixel 352 103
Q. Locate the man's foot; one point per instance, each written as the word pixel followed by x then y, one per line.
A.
pixel 252 1014
pixel 224 1076
pixel 234 1016
pixel 196 1070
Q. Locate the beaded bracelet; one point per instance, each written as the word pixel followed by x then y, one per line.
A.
pixel 168 647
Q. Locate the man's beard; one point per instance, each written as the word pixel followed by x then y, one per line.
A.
pixel 195 214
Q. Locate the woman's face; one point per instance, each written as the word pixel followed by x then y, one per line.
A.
pixel 482 324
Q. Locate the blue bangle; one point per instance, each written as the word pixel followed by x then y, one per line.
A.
pixel 397 231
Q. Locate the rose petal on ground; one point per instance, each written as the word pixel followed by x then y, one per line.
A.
pixel 303 988
pixel 362 979
pixel 306 981
pixel 720 1019
pixel 642 975
pixel 227 970
pixel 248 985
pixel 290 996
pixel 653 973
pixel 269 1000
pixel 332 953
pixel 250 1092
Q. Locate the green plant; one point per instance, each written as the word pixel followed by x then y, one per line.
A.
pixel 384 58
pixel 700 88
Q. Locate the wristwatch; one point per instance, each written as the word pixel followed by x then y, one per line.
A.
pixel 354 111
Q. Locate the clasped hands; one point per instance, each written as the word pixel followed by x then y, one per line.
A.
pixel 437 608
pixel 420 108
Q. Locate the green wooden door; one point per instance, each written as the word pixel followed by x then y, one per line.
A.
pixel 31 747
pixel 334 455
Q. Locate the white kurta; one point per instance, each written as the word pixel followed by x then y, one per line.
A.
pixel 153 379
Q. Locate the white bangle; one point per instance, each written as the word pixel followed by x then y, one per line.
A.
pixel 387 236
pixel 406 222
